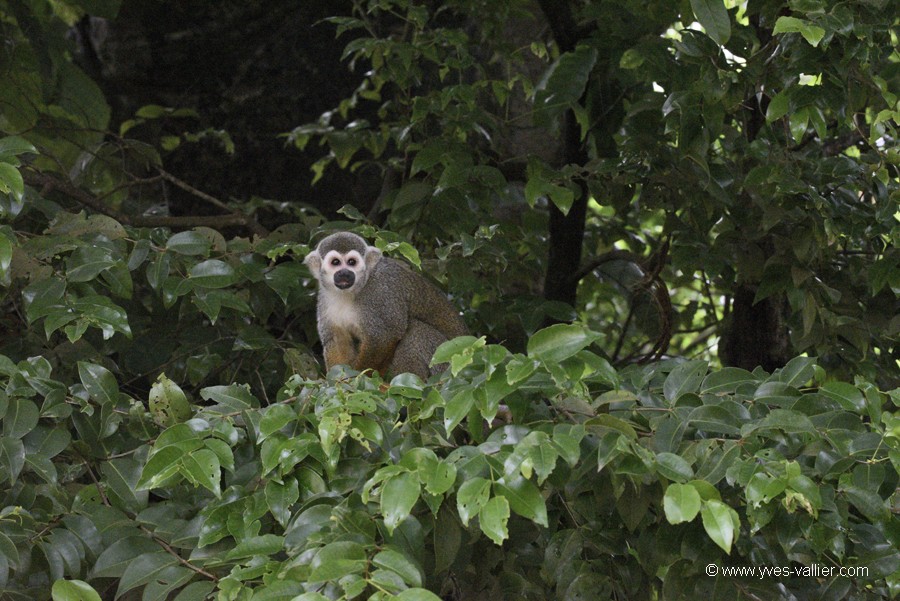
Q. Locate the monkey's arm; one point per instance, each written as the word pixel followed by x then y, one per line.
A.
pixel 339 350
pixel 337 345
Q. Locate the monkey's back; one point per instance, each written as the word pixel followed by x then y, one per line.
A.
pixel 424 300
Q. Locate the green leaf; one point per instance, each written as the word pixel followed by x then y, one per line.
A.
pixel 213 273
pixel 798 122
pixel 411 193
pixel 43 296
pixel 398 563
pixel 86 263
pixel 73 590
pixel 168 403
pixel 11 146
pixel 189 243
pixel 519 368
pixel 158 270
pixel 564 83
pixel 416 594
pixel 222 451
pixel 681 503
pixel 196 591
pixel 776 393
pixel 267 544
pixel 559 341
pixel 6 253
pixel 12 459
pixel 811 33
pixel 785 420
pixel 202 467
pixel 451 350
pixel 144 569
pixel 11 181
pixel 151 111
pixel 230 398
pixel 398 495
pixel 115 558
pixel 100 312
pixel 778 106
pixel 437 476
pixel 685 378
pixel 471 497
pixel 335 560
pixel 714 18
pixel 721 523
pixel 847 395
pixel 122 475
pixel 47 442
pixel 631 59
pixel 118 279
pixel 567 440
pixel 20 419
pixel 280 497
pixel 798 371
pixel 428 156
pixel 162 466
pixel 609 422
pixel 674 467
pixel 868 502
pixel 543 458
pixel 458 408
pixel 524 498
pixel 492 519
pixel 286 279
pixel 726 380
pixel 284 590
pixel 447 539
pixel 540 184
pixel 99 382
pixel 274 419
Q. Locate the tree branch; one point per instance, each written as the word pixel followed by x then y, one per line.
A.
pixel 49 182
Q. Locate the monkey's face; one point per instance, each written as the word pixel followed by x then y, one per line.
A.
pixel 346 271
pixel 342 263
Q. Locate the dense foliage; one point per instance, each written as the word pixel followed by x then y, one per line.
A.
pixel 717 417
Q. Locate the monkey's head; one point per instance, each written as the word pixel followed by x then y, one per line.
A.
pixel 343 261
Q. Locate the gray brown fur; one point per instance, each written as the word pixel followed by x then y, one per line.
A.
pixel 390 320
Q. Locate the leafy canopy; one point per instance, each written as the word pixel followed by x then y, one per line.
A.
pixel 165 431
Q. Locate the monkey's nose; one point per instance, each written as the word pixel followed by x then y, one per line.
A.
pixel 344 278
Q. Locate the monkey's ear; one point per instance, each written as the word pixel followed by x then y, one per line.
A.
pixel 314 261
pixel 373 255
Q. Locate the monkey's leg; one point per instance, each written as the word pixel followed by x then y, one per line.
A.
pixel 374 354
pixel 415 350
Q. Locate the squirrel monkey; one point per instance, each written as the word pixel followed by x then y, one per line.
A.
pixel 374 312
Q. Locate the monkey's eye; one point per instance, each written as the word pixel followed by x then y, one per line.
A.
pixel 351 262
pixel 335 262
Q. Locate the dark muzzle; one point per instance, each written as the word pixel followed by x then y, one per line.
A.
pixel 344 278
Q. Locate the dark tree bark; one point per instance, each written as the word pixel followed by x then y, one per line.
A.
pixel 756 334
pixel 566 231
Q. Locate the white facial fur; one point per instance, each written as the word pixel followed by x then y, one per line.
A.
pixel 334 261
